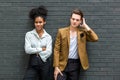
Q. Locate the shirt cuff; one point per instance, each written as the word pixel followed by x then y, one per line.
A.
pixel 39 49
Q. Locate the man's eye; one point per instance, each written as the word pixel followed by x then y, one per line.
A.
pixel 77 20
pixel 73 19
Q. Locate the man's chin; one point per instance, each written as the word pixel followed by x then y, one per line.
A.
pixel 74 26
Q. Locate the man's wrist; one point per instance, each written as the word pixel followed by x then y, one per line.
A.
pixel 87 27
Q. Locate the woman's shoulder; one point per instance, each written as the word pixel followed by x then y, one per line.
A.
pixel 30 32
pixel 47 34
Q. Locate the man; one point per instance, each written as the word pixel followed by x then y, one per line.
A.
pixel 70 48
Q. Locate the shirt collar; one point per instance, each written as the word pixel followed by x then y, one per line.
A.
pixel 35 33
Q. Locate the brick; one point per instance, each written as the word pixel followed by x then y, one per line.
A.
pixel 101 15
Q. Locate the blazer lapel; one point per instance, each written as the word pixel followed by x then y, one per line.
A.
pixel 80 34
pixel 68 35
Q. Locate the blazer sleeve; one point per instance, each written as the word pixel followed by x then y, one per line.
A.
pixel 57 49
pixel 91 36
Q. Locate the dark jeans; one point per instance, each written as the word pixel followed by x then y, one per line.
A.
pixel 37 69
pixel 72 70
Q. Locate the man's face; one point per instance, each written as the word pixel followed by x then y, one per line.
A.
pixel 75 20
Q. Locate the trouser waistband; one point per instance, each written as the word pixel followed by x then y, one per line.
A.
pixel 73 60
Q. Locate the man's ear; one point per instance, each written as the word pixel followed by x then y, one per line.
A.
pixel 81 21
pixel 45 22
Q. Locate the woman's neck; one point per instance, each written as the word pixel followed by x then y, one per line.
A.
pixel 40 32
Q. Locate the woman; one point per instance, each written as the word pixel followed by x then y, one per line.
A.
pixel 38 44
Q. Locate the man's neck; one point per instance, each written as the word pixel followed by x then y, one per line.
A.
pixel 73 29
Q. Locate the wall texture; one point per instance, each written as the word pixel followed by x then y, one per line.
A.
pixel 102 15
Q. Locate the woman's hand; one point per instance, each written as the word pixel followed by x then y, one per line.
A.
pixel 43 48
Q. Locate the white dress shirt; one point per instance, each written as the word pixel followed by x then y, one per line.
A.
pixel 34 44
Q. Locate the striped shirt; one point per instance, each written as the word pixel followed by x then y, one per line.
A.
pixel 73 51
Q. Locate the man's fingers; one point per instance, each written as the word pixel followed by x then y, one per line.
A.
pixel 83 20
pixel 55 77
pixel 61 73
pixel 56 74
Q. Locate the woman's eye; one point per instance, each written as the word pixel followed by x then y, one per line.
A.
pixel 38 22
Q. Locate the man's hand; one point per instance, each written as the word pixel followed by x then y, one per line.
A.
pixel 56 72
pixel 85 25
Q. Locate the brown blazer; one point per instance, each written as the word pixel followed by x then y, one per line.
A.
pixel 61 48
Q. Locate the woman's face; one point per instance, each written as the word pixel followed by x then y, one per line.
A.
pixel 39 23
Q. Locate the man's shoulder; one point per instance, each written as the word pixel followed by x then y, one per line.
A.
pixel 64 28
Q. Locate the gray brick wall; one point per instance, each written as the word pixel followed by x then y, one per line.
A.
pixel 102 15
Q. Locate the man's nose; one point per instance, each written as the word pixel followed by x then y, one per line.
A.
pixel 74 20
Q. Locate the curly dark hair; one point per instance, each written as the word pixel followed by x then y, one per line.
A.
pixel 39 11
